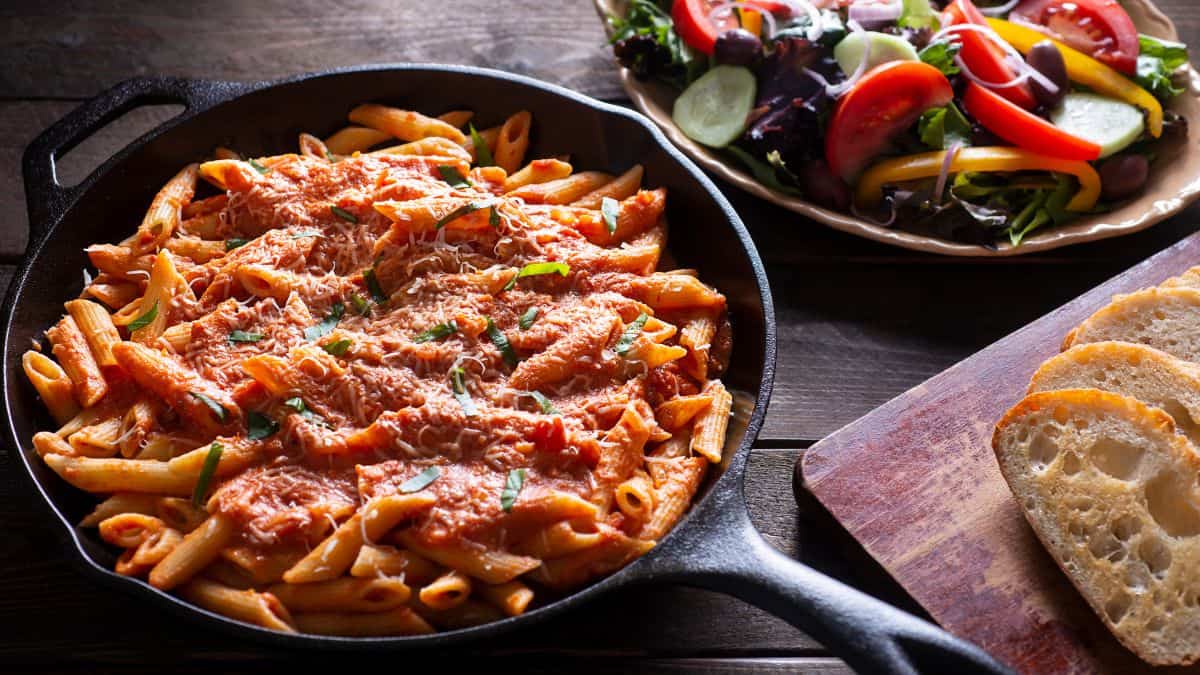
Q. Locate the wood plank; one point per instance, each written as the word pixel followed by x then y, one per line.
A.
pixel 72 49
pixel 917 484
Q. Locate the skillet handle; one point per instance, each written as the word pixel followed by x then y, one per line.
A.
pixel 723 552
pixel 46 198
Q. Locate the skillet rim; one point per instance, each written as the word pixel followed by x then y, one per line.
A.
pixel 223 93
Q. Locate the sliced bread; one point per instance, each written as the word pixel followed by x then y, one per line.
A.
pixel 1111 490
pixel 1189 279
pixel 1145 373
pixel 1167 319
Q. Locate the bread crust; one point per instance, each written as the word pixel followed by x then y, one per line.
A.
pixel 1147 317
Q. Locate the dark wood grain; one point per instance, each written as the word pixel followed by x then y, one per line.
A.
pixel 917 483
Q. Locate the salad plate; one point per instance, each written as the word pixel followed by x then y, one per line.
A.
pixel 1173 179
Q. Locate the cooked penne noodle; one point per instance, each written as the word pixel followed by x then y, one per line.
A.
pixel 53 385
pixel 449 590
pixel 350 140
pixel 344 594
pixel 456 118
pixel 465 615
pixel 620 188
pixel 708 434
pixel 536 172
pixel 119 475
pixel 562 190
pixel 635 497
pixel 72 351
pixel 97 440
pixel 129 530
pixel 97 328
pixel 311 146
pixel 404 124
pixel 513 141
pixel 434 146
pixel 45 443
pixel 489 566
pixel 164 214
pixel 387 561
pixel 512 598
pixel 165 284
pixel 125 502
pixel 249 606
pixel 199 548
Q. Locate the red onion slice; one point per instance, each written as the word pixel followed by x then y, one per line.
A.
pixel 875 14
pixel 837 90
pixel 1023 71
pixel 999 10
pixel 947 162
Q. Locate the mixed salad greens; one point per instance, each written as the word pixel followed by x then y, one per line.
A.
pixel 974 123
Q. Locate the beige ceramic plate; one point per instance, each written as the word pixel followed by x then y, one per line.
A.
pixel 1174 178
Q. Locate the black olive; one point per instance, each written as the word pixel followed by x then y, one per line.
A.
pixel 822 187
pixel 1123 176
pixel 1047 60
pixel 737 47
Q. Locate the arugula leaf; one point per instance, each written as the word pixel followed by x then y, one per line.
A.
pixel 244 336
pixel 465 209
pixel 420 481
pixel 763 173
pixel 337 347
pixel 296 403
pixel 145 319
pixel 528 318
pixel 500 341
pixel 236 242
pixel 438 332
pixel 360 305
pixel 260 426
pixel 940 55
pixel 483 154
pixel 458 385
pixel 451 175
pixel 217 409
pixel 512 488
pixel 610 209
pixel 939 128
pixel 343 214
pixel 325 326
pixel 206 473
pixel 625 342
pixel 1156 64
pixel 544 403
pixel 645 42
pixel 372 281
pixel 538 269
pixel 258 167
pixel 918 14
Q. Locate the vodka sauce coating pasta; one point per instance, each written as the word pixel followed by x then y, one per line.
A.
pixel 400 381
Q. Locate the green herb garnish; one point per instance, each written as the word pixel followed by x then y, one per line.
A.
pixel 459 386
pixel 259 426
pixel 512 487
pixel 940 128
pixel 483 155
pixel 337 347
pixel 216 408
pixel 145 319
pixel 528 318
pixel 494 218
pixel 501 343
pixel 360 305
pixel 372 281
pixel 206 473
pixel 302 234
pixel 344 214
pixel 329 156
pixel 544 403
pixel 538 268
pixel 442 330
pixel 625 342
pixel 326 325
pixel 236 242
pixel 420 481
pixel 610 209
pixel 296 403
pixel 465 209
pixel 451 175
pixel 940 55
pixel 244 336
pixel 258 167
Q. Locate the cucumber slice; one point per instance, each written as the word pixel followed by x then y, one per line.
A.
pixel 1113 125
pixel 713 110
pixel 849 52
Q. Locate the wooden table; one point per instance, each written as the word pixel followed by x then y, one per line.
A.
pixel 858 324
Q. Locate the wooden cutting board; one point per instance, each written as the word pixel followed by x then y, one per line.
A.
pixel 916 483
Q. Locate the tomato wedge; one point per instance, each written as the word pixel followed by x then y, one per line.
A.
pixel 886 101
pixel 985 59
pixel 693 25
pixel 1024 129
pixel 1101 29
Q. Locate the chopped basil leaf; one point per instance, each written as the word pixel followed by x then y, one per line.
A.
pixel 512 487
pixel 296 403
pixel 145 319
pixel 501 343
pixel 610 209
pixel 420 481
pixel 625 342
pixel 494 218
pixel 344 214
pixel 306 233
pixel 528 318
pixel 360 305
pixel 537 269
pixel 216 408
pixel 337 347
pixel 442 330
pixel 236 242
pixel 244 336
pixel 326 325
pixel 258 167
pixel 372 281
pixel 459 386
pixel 259 426
pixel 483 154
pixel 544 403
pixel 206 473
pixel 469 207
pixel 451 175
pixel 332 160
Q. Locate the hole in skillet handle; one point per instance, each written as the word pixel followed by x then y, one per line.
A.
pixel 46 198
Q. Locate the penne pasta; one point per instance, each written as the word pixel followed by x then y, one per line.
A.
pixel 512 142
pixel 53 385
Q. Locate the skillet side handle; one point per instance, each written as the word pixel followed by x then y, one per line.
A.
pixel 46 198
pixel 723 552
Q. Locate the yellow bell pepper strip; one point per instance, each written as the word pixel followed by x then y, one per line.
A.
pixel 1087 71
pixel 751 20
pixel 869 191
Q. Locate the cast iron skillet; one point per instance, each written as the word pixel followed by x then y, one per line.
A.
pixel 714 547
